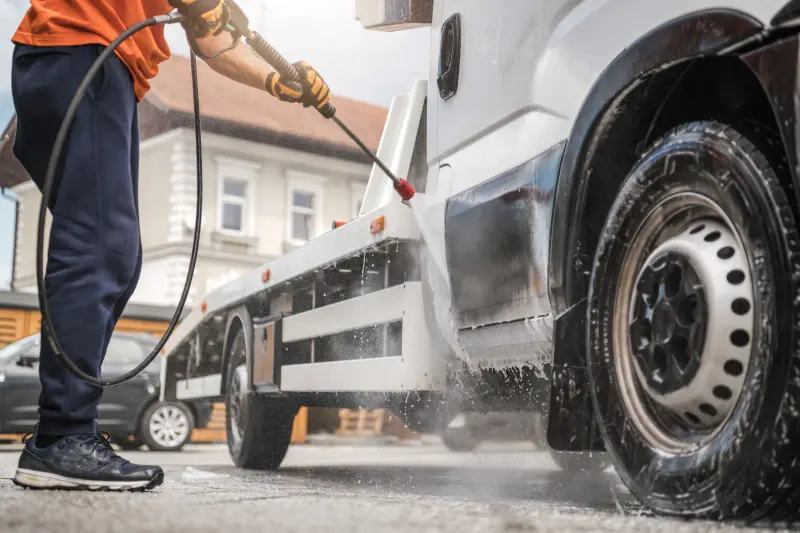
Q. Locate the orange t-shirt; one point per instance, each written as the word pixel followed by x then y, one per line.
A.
pixel 78 22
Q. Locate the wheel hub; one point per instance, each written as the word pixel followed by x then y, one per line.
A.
pixel 690 324
pixel 668 328
pixel 169 426
pixel 238 401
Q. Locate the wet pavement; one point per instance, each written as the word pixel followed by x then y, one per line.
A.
pixel 398 488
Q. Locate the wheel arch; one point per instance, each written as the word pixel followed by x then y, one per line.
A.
pixel 634 75
pixel 641 95
pixel 238 319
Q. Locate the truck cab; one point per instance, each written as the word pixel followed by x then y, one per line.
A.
pixel 604 235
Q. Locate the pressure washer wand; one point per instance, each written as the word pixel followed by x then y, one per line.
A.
pixel 287 71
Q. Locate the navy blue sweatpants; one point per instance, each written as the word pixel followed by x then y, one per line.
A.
pixel 94 256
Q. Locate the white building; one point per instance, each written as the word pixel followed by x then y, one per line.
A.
pixel 276 175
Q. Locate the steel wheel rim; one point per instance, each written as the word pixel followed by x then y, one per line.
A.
pixel 238 402
pixel 673 226
pixel 169 426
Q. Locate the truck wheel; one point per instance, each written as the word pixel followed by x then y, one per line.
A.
pixel 166 427
pixel 692 327
pixel 259 426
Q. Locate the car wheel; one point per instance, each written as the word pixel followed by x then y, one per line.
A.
pixel 166 427
pixel 692 327
pixel 259 426
pixel 460 440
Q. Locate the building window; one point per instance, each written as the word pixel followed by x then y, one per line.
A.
pixel 234 205
pixel 235 211
pixel 305 199
pixel 303 215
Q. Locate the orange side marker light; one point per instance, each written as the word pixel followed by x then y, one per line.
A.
pixel 377 225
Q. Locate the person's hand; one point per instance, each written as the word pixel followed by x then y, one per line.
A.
pixel 206 17
pixel 316 92
pixel 311 91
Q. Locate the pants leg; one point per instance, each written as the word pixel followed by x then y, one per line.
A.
pixel 94 237
pixel 126 295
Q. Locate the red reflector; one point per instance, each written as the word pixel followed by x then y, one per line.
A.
pixel 265 276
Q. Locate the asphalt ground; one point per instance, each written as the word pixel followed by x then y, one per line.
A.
pixel 360 488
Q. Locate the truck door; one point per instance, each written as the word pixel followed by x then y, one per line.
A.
pixel 497 206
pixel 482 79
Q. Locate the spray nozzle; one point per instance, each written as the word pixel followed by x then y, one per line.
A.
pixel 404 189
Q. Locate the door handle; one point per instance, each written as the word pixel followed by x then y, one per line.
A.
pixel 449 57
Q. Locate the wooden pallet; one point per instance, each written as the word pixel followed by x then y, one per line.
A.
pixel 361 422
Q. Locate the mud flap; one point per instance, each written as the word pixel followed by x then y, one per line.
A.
pixel 572 425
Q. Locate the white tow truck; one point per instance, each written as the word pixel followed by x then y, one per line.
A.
pixel 605 234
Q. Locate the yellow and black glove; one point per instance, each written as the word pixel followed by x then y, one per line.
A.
pixel 311 91
pixel 206 17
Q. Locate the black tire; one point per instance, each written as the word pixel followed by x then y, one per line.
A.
pixel 158 443
pixel 460 440
pixel 747 468
pixel 580 462
pixel 259 426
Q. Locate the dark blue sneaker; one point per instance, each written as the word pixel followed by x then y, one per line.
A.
pixel 86 462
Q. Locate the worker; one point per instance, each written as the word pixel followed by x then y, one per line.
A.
pixel 95 257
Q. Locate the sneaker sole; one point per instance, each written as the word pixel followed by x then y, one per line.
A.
pixel 33 479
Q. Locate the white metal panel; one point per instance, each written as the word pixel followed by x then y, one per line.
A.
pixel 396 146
pixel 422 367
pixel 520 56
pixel 204 387
pixel 415 369
pixel 594 33
pixel 379 374
pixel 163 379
pixel 375 308
pixel 527 342
pixel 352 238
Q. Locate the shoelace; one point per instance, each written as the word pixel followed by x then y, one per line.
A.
pixel 103 438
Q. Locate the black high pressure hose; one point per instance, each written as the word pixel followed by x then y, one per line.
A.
pixel 55 157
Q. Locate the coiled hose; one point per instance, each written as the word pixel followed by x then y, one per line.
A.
pixel 55 157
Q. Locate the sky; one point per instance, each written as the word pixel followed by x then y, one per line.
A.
pixel 365 65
